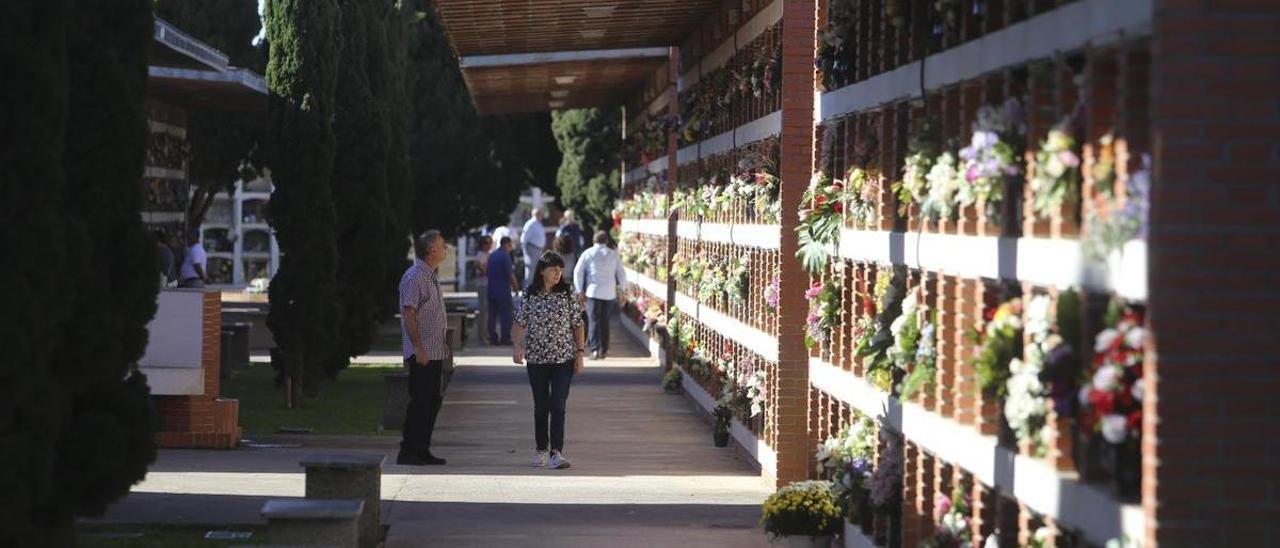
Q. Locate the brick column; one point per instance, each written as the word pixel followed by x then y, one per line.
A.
pixel 798 43
pixel 1210 469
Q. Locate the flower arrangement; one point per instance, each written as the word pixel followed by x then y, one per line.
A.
pixel 846 460
pixel 991 157
pixel 836 58
pixel 875 343
pixel 1112 397
pixel 946 16
pixel 1026 401
pixel 772 293
pixel 944 182
pixel 859 197
pixel 999 342
pixel 805 508
pixel 819 227
pixel 1107 230
pixel 885 484
pixel 914 349
pixel 722 415
pixel 824 311
pixel 671 382
pixel 922 148
pixel 952 517
pixel 737 283
pixel 754 386
pixel 895 11
pixel 1055 181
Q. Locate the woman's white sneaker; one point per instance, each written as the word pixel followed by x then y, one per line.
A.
pixel 539 459
pixel 558 461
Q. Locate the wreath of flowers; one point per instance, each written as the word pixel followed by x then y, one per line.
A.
pixel 1055 180
pixel 1108 228
pixel 859 196
pixel 944 182
pixel 1112 397
pixel 999 342
pixel 885 484
pixel 737 282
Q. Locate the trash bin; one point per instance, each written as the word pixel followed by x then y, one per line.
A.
pixel 235 347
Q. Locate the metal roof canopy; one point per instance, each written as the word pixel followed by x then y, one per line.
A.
pixel 538 55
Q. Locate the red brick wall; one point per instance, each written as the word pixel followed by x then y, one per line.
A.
pixel 206 420
pixel 1212 422
pixel 798 38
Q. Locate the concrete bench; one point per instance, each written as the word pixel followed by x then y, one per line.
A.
pixel 349 476
pixel 331 523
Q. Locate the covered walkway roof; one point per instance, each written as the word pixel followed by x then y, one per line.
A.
pixel 535 55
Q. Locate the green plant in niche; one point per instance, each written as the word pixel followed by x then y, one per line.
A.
pixel 819 228
pixel 1000 341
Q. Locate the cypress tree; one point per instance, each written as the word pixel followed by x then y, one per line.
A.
pixel 37 239
pixel 589 140
pixel 359 179
pixel 392 88
pixel 85 411
pixel 301 74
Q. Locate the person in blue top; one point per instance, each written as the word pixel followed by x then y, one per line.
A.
pixel 502 282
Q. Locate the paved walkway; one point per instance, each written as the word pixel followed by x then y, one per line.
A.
pixel 644 470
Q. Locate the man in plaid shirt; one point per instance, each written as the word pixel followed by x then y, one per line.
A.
pixel 422 326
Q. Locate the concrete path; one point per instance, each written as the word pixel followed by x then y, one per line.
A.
pixel 644 470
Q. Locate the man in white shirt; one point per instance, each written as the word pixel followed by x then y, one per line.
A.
pixel 192 273
pixel 533 241
pixel 600 277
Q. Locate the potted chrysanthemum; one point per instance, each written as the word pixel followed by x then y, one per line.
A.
pixel 805 513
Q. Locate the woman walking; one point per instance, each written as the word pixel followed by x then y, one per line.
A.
pixel 549 335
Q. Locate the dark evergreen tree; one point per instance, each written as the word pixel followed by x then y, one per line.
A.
pixel 590 141
pixel 360 179
pixel 302 72
pixel 39 241
pixel 458 181
pixel 391 87
pixel 82 427
pixel 220 142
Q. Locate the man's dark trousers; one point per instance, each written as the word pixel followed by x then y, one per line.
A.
pixel 425 396
pixel 500 315
pixel 598 313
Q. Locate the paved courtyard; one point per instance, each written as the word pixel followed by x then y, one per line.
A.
pixel 644 470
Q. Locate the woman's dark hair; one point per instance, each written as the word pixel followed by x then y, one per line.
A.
pixel 548 259
pixel 564 244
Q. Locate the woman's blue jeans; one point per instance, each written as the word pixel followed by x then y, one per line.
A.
pixel 550 383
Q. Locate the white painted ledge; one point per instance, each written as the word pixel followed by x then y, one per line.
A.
pixel 746 235
pixel 1041 261
pixel 764 455
pixel 767 18
pixel 651 227
pixel 1070 27
pixel 654 288
pixel 1033 482
pixel 642 173
pixel 755 340
pixel 756 130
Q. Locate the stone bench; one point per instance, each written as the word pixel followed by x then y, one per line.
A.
pixel 331 523
pixel 349 476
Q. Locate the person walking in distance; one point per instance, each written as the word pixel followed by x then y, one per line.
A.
pixel 600 277
pixel 422 326
pixel 549 336
pixel 502 283
pixel 570 229
pixel 533 241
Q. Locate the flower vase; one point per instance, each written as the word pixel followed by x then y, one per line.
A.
pixel 1126 469
pixel 721 438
